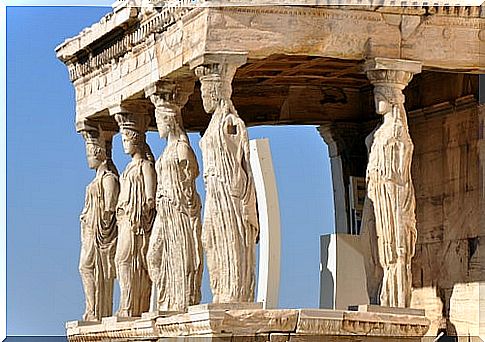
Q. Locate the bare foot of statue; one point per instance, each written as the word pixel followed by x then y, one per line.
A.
pixel 89 316
pixel 123 313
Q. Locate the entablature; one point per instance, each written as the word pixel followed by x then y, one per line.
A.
pixel 286 48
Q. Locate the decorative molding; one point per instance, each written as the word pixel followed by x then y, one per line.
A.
pixel 250 322
pixel 115 48
pixel 92 57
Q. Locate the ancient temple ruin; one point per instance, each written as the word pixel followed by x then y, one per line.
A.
pixel 394 91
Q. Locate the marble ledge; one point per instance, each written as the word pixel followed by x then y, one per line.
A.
pixel 212 321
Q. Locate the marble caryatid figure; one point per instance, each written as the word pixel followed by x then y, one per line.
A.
pixel 230 227
pixel 98 226
pixel 135 214
pixel 390 187
pixel 175 250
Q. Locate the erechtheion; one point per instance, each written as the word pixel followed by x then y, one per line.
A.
pixel 393 90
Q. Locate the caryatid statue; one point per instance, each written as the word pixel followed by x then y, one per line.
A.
pixel 135 214
pixel 389 182
pixel 175 250
pixel 98 226
pixel 230 227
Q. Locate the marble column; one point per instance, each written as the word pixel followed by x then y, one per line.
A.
pixel 348 157
pixel 389 182
pixel 135 210
pixel 175 250
pixel 230 227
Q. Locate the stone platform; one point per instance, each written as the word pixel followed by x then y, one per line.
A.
pixel 209 322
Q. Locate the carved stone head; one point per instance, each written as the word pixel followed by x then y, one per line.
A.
pixel 95 148
pixel 215 84
pixel 209 96
pixel 169 119
pixel 132 127
pixel 385 97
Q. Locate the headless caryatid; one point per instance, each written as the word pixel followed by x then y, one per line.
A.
pixel 390 187
pixel 230 227
pixel 135 214
pixel 98 227
pixel 175 250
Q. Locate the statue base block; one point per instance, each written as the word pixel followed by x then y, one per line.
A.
pixel 224 307
pixel 387 310
pixel 77 324
pixel 156 314
pixel 213 322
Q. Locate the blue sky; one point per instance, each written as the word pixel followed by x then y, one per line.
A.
pixel 47 174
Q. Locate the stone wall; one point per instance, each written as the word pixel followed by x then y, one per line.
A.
pixel 446 268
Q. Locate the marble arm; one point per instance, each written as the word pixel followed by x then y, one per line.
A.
pixel 190 171
pixel 150 181
pixel 111 190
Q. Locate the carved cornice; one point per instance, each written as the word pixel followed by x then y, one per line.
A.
pixel 90 59
pixel 474 22
pixel 310 11
pixel 369 13
pixel 120 40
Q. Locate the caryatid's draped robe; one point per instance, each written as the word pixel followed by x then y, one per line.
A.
pixel 368 234
pixel 135 216
pixel 230 227
pixel 98 237
pixel 175 251
pixel 391 190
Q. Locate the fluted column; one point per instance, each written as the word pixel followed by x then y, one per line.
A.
pixel 389 182
pixel 135 210
pixel 175 250
pixel 230 227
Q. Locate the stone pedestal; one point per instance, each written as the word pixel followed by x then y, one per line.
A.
pixel 223 323
pixel 342 272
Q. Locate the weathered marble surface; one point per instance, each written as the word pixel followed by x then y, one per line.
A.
pixel 389 183
pixel 448 267
pixel 135 214
pixel 99 232
pixel 260 325
pixel 140 58
pixel 175 252
pixel 230 226
pixel 449 238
